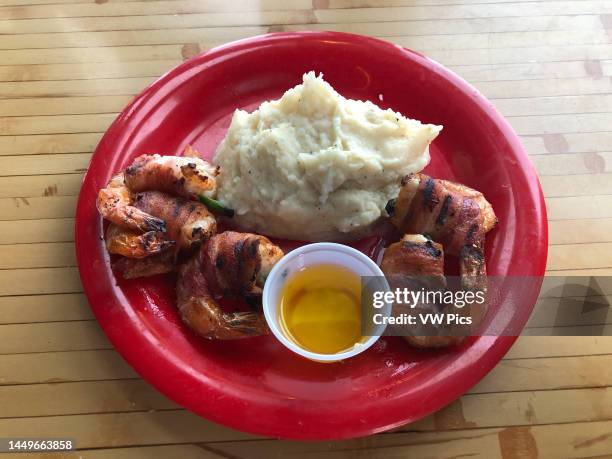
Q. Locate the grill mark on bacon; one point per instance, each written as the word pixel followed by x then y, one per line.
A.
pixel 429 197
pixel 444 210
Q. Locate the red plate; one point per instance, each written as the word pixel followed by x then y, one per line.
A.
pixel 257 385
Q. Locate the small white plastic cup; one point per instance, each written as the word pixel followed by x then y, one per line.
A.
pixel 315 254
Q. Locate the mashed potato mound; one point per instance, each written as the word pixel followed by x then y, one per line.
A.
pixel 316 166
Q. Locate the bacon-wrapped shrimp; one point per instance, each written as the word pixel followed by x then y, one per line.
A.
pixel 416 255
pixel 188 177
pixel 449 213
pixel 131 244
pixel 417 259
pixel 189 223
pixel 115 204
pixel 131 268
pixel 229 263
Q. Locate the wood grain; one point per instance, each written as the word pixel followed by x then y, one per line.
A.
pixel 67 67
pixel 41 230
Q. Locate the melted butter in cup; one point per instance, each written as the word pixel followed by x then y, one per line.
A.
pixel 312 301
pixel 320 308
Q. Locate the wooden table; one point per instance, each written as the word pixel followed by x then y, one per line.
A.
pixel 68 66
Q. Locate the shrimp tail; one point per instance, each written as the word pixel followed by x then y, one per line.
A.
pixel 227 264
pixel 127 243
pixel 200 311
pixel 115 205
pixel 153 224
pixel 246 323
pixel 207 319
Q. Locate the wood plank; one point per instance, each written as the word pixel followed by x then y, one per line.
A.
pixel 37 208
pixel 56 124
pixel 48 144
pixel 157 22
pixel 140 8
pixel 541 88
pixel 333 4
pixel 500 40
pixel 92 70
pixel 300 19
pixel 576 185
pixel 559 346
pixel 42 2
pixel 51 337
pixel 574 142
pixel 552 124
pixel 208 37
pixel 122 429
pixel 185 451
pixel 63 105
pixel 205 36
pixel 39 281
pixel 520 408
pixel 116 86
pixel 528 71
pixel 40 185
pixel 572 208
pixel 580 231
pixel 54 367
pixel 557 440
pixel 603 272
pixel 573 163
pixel 552 373
pixel 396 3
pixel 43 230
pixel 553 105
pixel 40 255
pixel 44 164
pixel 455 26
pixel 580 256
pixel 457 11
pixel 81 398
pixel 44 308
pixel 509 55
pixel 99 54
pixel 375 14
pixel 48 2
pixel 577 330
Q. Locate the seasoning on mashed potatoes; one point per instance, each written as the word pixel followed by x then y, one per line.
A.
pixel 313 165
